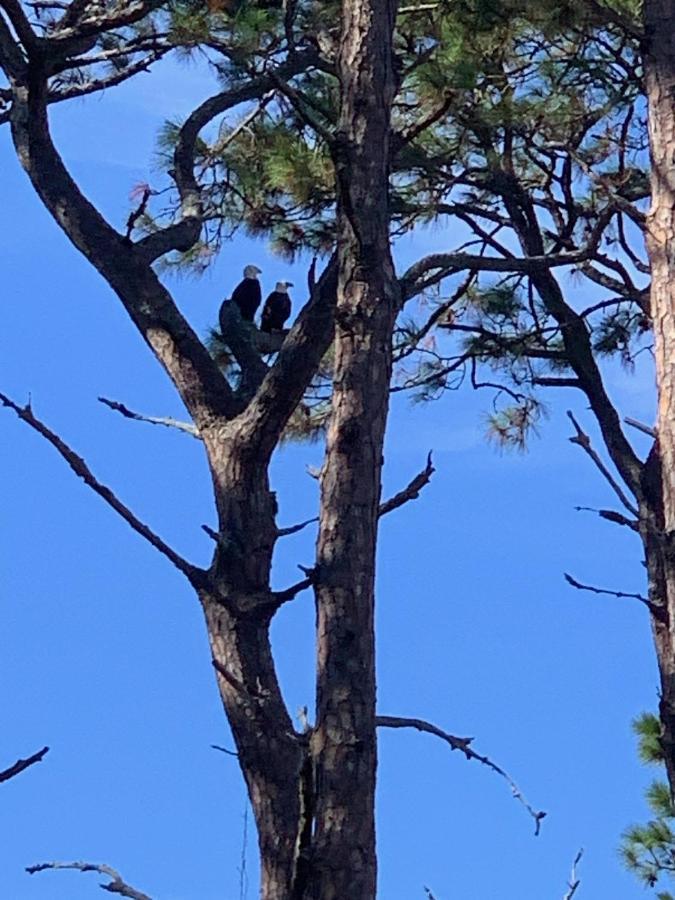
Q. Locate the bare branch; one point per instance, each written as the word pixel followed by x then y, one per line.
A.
pixel 464 746
pixel 167 421
pixel 583 440
pixel 20 24
pixel 412 491
pixel 574 882
pixel 293 529
pixel 620 594
pixel 117 885
pixel 645 429
pixel 444 264
pixel 292 592
pixel 611 516
pixel 224 750
pixel 22 764
pixel 82 470
pixel 11 58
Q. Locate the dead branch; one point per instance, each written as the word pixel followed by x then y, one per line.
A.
pixel 292 592
pixel 574 882
pixel 620 594
pixel 583 440
pixel 645 429
pixel 167 421
pixel 224 750
pixel 117 884
pixel 293 529
pixel 136 214
pixel 464 746
pixel 22 764
pixel 612 516
pixel 412 491
pixel 82 470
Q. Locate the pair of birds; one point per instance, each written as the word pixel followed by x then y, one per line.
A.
pixel 248 297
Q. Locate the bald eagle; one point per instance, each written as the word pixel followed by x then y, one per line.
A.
pixel 247 294
pixel 277 308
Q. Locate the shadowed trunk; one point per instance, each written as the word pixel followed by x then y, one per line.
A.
pixel 660 76
pixel 343 742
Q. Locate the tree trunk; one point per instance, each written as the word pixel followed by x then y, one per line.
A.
pixel 659 23
pixel 238 615
pixel 343 742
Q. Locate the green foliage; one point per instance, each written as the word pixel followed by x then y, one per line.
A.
pixel 648 850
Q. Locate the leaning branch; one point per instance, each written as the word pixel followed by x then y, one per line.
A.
pixel 608 593
pixel 82 470
pixel 464 746
pixel 412 491
pixel 167 421
pixel 117 884
pixel 21 764
pixel 583 441
pixel 574 881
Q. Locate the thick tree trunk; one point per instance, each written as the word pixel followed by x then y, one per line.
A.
pixel 660 76
pixel 343 742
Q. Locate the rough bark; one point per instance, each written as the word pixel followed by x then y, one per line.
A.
pixel 343 742
pixel 659 23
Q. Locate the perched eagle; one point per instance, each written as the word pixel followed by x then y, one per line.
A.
pixel 247 294
pixel 277 308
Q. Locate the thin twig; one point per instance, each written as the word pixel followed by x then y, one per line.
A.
pixel 117 884
pixel 79 466
pixel 464 746
pixel 293 529
pixel 574 882
pixel 168 421
pixel 595 590
pixel 22 764
pixel 583 440
pixel 224 750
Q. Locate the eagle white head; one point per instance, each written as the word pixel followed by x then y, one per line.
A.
pixel 252 272
pixel 283 286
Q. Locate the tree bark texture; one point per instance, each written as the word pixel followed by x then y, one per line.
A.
pixel 343 741
pixel 659 20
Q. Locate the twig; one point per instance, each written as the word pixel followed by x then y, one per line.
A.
pixel 412 491
pixel 583 440
pixel 464 746
pixel 168 421
pixel 612 516
pixel 645 429
pixel 81 469
pixel 595 590
pixel 117 884
pixel 22 764
pixel 224 750
pixel 574 881
pixel 136 214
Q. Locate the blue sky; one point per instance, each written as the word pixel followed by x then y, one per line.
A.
pixel 103 653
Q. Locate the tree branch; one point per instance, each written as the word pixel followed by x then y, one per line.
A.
pixel 22 764
pixel 446 263
pixel 574 882
pixel 645 429
pixel 11 59
pixel 167 421
pixel 611 516
pixel 464 746
pixel 20 24
pixel 619 594
pixel 81 469
pixel 117 884
pixel 412 491
pixel 183 234
pixel 196 376
pixel 583 441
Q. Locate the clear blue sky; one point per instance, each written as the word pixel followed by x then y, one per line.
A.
pixel 103 653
